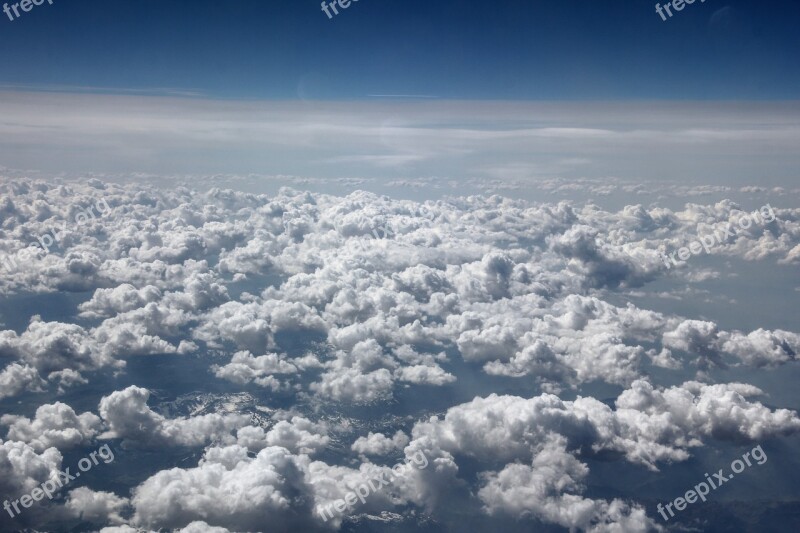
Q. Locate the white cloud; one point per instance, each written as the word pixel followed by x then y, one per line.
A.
pixel 379 444
pixel 128 133
pixel 547 490
pixel 96 507
pixel 293 292
pixel 22 468
pixel 298 435
pixel 16 378
pixel 229 489
pixel 128 417
pixel 55 425
pixel 649 425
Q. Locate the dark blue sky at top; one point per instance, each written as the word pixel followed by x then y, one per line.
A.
pixel 500 49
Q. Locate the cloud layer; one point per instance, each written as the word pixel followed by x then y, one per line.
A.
pixel 340 316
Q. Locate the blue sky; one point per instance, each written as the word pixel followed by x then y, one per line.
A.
pixel 508 49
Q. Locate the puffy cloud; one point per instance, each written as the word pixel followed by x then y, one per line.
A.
pixel 120 529
pixel 696 410
pixel 351 385
pixel 599 264
pixel 696 337
pixel 96 507
pixel 547 490
pixel 67 378
pixel 252 258
pixel 379 444
pixel 55 346
pixel 199 526
pixel 575 340
pixel 492 342
pixel 54 425
pixel 540 440
pixel 245 368
pixel 252 326
pixel 425 375
pixel 125 297
pixel 229 489
pixel 128 417
pixel 360 375
pixel 536 359
pixel 377 291
pixel 440 262
pixel 62 352
pixel 22 468
pixel 298 435
pixel 131 339
pixel 16 378
pixel 759 348
pixel 648 426
pixel 763 347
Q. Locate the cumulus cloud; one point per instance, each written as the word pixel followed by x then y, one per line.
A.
pixel 229 488
pixel 547 490
pixel 128 417
pixel 648 426
pixel 763 347
pixel 54 425
pixel 202 527
pixel 22 468
pixel 252 326
pixel 425 375
pixel 16 378
pixel 55 346
pixel 298 435
pixel 96 507
pixel 351 385
pixel 341 303
pixel 125 297
pixel 759 348
pixel 379 444
pixel 245 368
pixel 435 276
